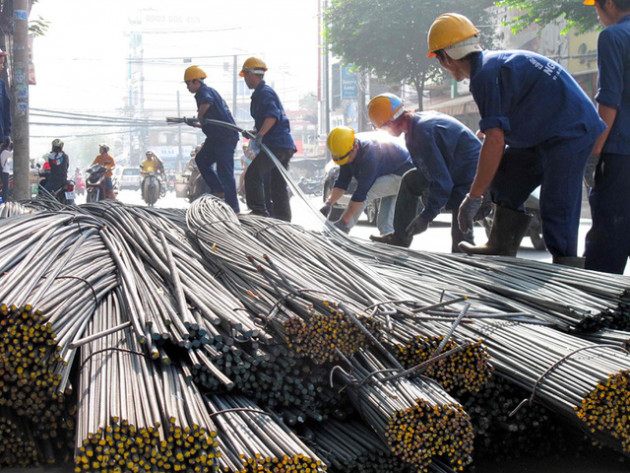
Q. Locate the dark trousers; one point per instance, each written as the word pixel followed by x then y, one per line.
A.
pixel 261 167
pixel 558 167
pixel 412 187
pixel 5 186
pixel 223 179
pixel 608 240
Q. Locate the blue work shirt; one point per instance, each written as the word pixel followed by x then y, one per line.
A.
pixel 5 111
pixel 613 62
pixel 218 111
pixel 373 160
pixel 266 104
pixel 446 152
pixel 531 98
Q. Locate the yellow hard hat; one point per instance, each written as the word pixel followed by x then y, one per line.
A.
pixel 589 2
pixel 448 30
pixel 253 64
pixel 340 143
pixel 194 72
pixel 383 108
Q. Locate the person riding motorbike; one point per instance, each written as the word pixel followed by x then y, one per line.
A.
pixel 154 164
pixel 105 160
pixel 59 162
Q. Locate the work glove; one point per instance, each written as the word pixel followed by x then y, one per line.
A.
pixel 416 226
pixel 259 140
pixel 341 225
pixel 589 170
pixel 190 121
pixel 325 210
pixel 467 211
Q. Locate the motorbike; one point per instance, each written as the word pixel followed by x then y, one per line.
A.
pixel 151 188
pixel 64 194
pixel 95 183
pixel 310 186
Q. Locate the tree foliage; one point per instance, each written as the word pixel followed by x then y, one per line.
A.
pixel 388 38
pixel 543 12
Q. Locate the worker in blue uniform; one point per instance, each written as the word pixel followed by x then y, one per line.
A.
pixel 531 104
pixel 444 152
pixel 273 131
pixel 220 143
pixel 608 240
pixel 378 167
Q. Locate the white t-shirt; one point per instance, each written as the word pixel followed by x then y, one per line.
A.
pixel 6 161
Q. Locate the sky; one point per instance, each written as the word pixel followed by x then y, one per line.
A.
pixel 82 64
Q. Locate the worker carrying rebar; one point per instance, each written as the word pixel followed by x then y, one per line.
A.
pixel 444 152
pixel 378 167
pixel 540 128
pixel 218 148
pixel 608 240
pixel 272 129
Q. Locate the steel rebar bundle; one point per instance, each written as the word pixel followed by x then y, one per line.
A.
pixel 134 415
pixel 253 440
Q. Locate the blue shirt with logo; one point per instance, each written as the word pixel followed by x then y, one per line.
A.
pixel 446 152
pixel 531 98
pixel 374 159
pixel 266 104
pixel 218 111
pixel 613 61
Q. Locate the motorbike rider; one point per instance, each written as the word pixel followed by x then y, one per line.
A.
pixel 105 160
pixel 59 162
pixel 154 164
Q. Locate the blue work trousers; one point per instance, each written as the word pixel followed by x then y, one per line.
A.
pixel 608 240
pixel 5 186
pixel 262 168
pixel 558 167
pixel 221 154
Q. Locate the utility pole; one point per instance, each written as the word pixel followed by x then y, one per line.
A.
pixel 20 131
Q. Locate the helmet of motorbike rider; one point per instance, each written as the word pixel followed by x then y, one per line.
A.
pixel 341 143
pixel 455 34
pixel 383 108
pixel 57 144
pixel 253 65
pixel 103 148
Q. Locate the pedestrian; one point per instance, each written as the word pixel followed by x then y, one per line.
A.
pixel 218 148
pixel 6 166
pixel 540 128
pixel 377 166
pixel 59 163
pixel 104 159
pixel 444 152
pixel 272 129
pixel 608 240
pixel 5 103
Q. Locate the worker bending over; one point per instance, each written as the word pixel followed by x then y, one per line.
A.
pixel 531 104
pixel 378 168
pixel 445 154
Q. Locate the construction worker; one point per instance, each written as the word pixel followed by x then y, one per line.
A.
pixel 608 240
pixel 378 168
pixel 5 103
pixel 531 104
pixel 220 142
pixel 272 129
pixel 445 154
pixel 104 159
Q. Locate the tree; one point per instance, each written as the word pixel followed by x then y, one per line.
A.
pixel 388 38
pixel 543 12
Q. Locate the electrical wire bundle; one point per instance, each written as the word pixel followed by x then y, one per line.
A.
pixel 252 440
pixel 135 415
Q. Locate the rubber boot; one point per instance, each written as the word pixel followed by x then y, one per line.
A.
pixel 393 239
pixel 572 261
pixel 507 231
